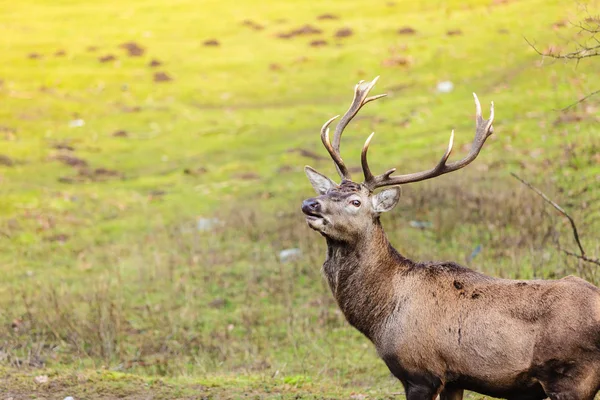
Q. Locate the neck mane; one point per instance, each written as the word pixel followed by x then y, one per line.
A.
pixel 360 276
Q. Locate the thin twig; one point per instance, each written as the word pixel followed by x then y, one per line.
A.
pixel 581 256
pixel 580 100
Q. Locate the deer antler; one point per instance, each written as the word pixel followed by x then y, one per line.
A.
pixel 482 131
pixel 361 92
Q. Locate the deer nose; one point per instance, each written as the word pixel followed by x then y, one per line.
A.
pixel 311 206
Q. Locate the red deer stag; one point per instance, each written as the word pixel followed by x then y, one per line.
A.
pixel 442 328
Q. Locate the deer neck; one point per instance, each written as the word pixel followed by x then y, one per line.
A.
pixel 360 276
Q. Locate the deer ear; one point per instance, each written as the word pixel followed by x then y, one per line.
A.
pixel 386 199
pixel 319 182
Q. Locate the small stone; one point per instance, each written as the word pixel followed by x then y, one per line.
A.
pixel 288 255
pixel 207 224
pixel 445 87
pixel 41 379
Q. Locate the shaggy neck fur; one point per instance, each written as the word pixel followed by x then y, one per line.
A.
pixel 361 274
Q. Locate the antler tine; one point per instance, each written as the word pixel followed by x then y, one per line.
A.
pixel 361 92
pixel 337 159
pixel 482 131
pixel 360 99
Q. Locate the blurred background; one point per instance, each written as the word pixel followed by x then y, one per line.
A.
pixel 151 175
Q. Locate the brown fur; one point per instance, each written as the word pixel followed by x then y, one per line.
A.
pixel 442 328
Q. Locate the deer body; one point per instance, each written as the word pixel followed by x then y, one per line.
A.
pixel 442 328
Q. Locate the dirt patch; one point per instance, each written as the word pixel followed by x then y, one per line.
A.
pixel 275 67
pixel 344 32
pixel 503 31
pixel 285 168
pixel 454 32
pixel 107 58
pixel 302 31
pixel 559 24
pixel 406 30
pixel 120 133
pixel 71 160
pixel 60 53
pixel 327 16
pixel 106 172
pixel 211 43
pixel 91 49
pixel 195 171
pixel 63 146
pixel 34 56
pixel 133 49
pixel 252 25
pixel 162 77
pixel 6 161
pixel 318 43
pixel 91 175
pixel 568 118
pixel 397 61
pixel 7 129
pixel 60 237
pixel 155 63
pixel 131 109
pixel 218 303
pixel 248 176
pixel 307 153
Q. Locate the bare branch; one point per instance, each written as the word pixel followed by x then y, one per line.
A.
pixel 580 100
pixel 581 256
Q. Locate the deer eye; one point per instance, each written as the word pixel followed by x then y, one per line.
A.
pixel 355 203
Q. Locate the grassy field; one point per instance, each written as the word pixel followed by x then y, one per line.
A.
pixel 151 158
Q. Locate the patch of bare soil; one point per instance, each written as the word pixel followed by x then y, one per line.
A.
pixel 7 129
pixel 63 146
pixel 318 43
pixel 154 63
pixel 503 31
pixel 567 118
pixel 131 109
pixel 195 171
pixel 302 31
pixel 162 77
pixel 327 16
pixel 120 133
pixel 211 43
pixel 406 30
pixel 133 49
pixel 34 56
pixel 252 25
pixel 91 175
pixel 71 160
pixel 248 176
pixel 285 168
pixel 59 237
pixel 275 67
pixel 91 49
pixel 60 53
pixel 107 58
pixel 6 161
pixel 559 24
pixel 397 61
pixel 307 153
pixel 343 32
pixel 454 32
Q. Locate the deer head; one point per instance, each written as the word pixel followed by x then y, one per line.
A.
pixel 344 211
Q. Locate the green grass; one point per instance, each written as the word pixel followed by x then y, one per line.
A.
pixel 105 273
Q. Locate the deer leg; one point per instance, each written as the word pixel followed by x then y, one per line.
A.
pixel 451 394
pixel 581 383
pixel 421 392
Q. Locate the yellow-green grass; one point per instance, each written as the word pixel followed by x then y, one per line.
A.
pixel 109 272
